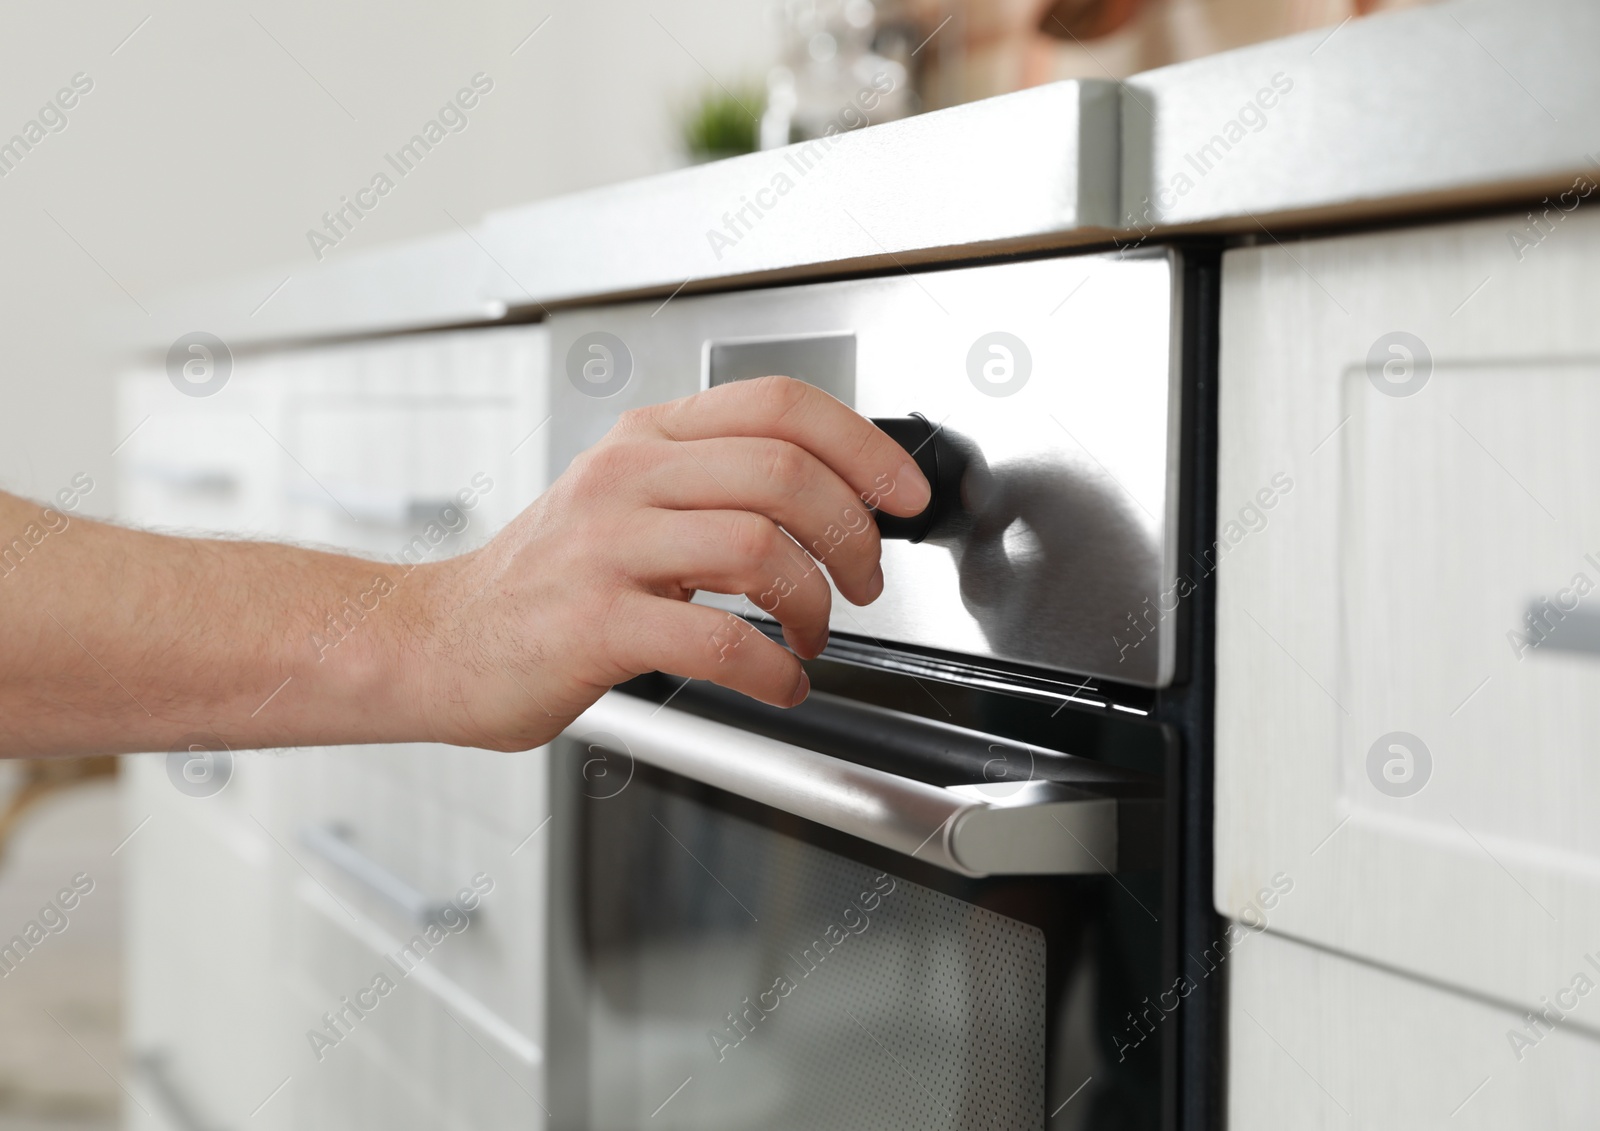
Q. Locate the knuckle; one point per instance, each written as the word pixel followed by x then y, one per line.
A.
pixel 752 540
pixel 581 479
pixel 782 393
pixel 592 464
pixel 608 609
pixel 786 464
pixel 635 420
pixel 609 464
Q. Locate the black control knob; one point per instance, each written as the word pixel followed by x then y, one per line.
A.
pixel 939 460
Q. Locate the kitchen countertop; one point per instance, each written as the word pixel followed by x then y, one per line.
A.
pixel 1460 105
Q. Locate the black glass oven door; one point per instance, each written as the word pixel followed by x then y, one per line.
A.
pixel 719 963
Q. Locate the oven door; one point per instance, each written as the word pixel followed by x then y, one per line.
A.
pixel 790 930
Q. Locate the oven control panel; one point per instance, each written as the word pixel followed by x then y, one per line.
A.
pixel 1042 399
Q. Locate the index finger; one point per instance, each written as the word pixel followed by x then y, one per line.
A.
pixel 879 470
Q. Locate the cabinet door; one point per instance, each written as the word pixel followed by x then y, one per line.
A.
pixel 1321 1042
pixel 1408 701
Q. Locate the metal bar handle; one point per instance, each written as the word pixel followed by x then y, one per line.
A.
pixel 332 845
pixel 999 828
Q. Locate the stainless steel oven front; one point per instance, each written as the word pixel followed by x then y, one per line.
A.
pixel 947 889
pixel 1057 379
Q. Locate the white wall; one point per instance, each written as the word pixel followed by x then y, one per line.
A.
pixel 205 149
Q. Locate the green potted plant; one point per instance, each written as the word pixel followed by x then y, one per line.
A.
pixel 724 122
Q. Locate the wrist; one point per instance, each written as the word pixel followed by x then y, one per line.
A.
pixel 371 648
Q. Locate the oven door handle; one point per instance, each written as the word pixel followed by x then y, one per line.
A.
pixel 993 828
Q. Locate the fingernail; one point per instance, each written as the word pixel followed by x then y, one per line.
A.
pixel 915 485
pixel 801 691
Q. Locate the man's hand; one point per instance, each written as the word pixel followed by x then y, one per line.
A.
pixel 743 489
pixel 119 641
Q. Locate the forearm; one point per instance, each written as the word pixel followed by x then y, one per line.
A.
pixel 119 640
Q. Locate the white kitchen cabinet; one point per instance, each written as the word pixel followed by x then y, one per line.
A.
pixel 1322 1042
pixel 406 450
pixel 1385 735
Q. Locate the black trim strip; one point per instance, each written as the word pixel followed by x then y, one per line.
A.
pixel 922 749
pixel 1196 1071
pixel 1087 693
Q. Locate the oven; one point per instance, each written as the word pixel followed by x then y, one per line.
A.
pixel 963 885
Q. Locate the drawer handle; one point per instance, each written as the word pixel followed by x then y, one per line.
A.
pixel 367 504
pixel 1550 627
pixel 331 844
pixel 193 481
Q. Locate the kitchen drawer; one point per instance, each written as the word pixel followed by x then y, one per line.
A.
pixel 393 437
pixel 200 465
pixel 504 792
pixel 1388 1053
pixel 1392 730
pixel 413 1061
pixel 390 826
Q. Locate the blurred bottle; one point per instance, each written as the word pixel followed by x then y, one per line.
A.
pixel 846 64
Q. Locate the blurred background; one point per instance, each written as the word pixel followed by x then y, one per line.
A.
pixel 216 135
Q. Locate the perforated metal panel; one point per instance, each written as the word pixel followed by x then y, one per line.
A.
pixel 760 981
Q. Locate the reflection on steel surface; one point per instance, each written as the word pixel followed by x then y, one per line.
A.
pixel 1066 534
